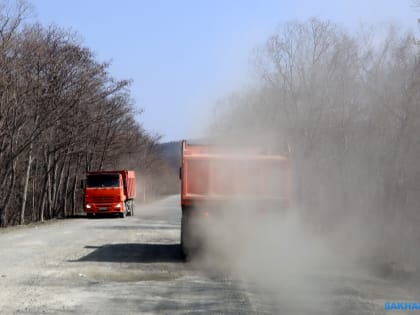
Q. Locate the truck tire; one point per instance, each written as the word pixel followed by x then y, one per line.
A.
pixel 122 215
pixel 184 250
pixel 127 207
pixel 185 235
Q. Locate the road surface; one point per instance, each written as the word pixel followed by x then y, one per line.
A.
pixel 134 266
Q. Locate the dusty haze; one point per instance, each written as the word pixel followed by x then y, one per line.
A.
pixel 345 109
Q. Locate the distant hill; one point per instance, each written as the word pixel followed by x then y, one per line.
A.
pixel 172 152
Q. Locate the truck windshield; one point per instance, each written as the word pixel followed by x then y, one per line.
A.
pixel 103 180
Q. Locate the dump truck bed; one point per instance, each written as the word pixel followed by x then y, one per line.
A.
pixel 211 173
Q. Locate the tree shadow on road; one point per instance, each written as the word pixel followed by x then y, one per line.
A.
pixel 134 253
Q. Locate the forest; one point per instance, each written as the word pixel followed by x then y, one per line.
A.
pixel 61 114
pixel 345 107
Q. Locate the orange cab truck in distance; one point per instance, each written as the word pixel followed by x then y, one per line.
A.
pixel 212 176
pixel 110 192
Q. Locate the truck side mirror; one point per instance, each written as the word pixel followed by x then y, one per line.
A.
pixel 180 173
pixel 82 184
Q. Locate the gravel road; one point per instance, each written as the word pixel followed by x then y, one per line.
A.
pixel 133 266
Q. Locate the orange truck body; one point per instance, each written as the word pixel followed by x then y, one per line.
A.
pixel 110 192
pixel 214 174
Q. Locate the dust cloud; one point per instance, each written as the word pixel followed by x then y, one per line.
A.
pixel 271 248
pixel 347 120
pixel 284 253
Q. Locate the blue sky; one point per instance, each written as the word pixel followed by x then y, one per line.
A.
pixel 185 55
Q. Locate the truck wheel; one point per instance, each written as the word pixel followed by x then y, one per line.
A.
pixel 185 236
pixel 127 207
pixel 183 243
pixel 89 215
pixel 122 215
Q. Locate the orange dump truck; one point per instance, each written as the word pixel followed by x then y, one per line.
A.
pixel 110 192
pixel 213 175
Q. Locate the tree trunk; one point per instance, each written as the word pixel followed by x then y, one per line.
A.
pixel 43 199
pixel 74 189
pixel 57 190
pixel 34 214
pixel 25 186
pixel 3 217
pixel 45 193
pixel 49 201
pixel 52 185
pixel 66 189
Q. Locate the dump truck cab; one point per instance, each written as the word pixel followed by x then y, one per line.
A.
pixel 109 192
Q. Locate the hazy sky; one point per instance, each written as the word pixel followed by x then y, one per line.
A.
pixel 185 55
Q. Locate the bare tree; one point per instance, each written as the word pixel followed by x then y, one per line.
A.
pixel 348 107
pixel 61 114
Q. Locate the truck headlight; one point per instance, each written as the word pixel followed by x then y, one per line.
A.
pixel 118 205
pixel 88 206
